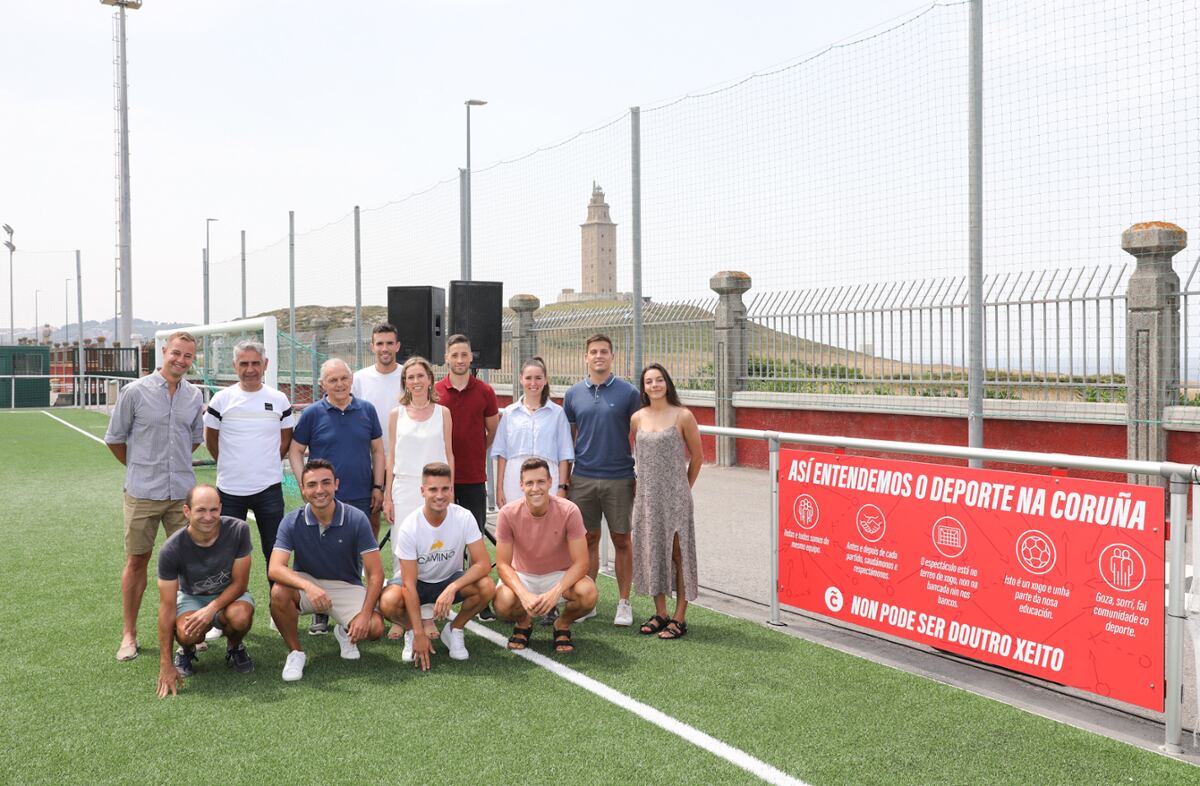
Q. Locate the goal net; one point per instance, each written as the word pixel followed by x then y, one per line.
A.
pixel 213 368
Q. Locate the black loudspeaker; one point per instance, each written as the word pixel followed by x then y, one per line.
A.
pixel 419 314
pixel 475 311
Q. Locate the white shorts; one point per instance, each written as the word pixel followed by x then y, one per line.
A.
pixel 536 584
pixel 347 598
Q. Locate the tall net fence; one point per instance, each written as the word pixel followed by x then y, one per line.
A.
pixel 839 183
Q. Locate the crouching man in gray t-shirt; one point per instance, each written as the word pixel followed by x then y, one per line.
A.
pixel 203 571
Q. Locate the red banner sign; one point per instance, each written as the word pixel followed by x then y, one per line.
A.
pixel 1055 577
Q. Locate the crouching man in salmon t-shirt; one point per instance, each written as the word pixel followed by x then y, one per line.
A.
pixel 542 558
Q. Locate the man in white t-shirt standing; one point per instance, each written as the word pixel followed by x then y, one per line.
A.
pixel 380 384
pixel 430 544
pixel 247 429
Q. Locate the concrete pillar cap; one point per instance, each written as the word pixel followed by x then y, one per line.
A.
pixel 524 303
pixel 1153 237
pixel 729 282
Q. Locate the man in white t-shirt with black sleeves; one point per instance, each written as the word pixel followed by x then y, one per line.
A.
pixel 380 383
pixel 247 429
pixel 430 545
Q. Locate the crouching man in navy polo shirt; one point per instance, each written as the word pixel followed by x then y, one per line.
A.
pixel 332 545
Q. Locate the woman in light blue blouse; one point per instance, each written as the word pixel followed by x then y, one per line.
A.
pixel 533 425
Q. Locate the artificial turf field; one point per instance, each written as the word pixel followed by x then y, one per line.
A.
pixel 70 713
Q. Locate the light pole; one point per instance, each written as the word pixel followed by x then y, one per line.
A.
pixel 37 322
pixel 465 263
pixel 67 311
pixel 12 333
pixel 207 224
pixel 124 276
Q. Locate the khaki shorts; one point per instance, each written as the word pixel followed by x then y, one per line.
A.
pixel 538 584
pixel 612 499
pixel 347 598
pixel 141 521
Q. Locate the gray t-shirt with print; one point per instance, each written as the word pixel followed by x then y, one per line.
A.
pixel 204 570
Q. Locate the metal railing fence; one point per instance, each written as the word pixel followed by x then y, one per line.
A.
pixel 1180 476
pixel 676 334
pixel 1049 334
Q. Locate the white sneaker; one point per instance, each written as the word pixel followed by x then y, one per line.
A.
pixel 349 648
pixel 213 633
pixel 407 655
pixel 293 667
pixel 587 616
pixel 456 641
pixel 624 617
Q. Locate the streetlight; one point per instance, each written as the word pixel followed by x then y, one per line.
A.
pixel 207 224
pixel 12 333
pixel 466 234
pixel 37 324
pixel 67 311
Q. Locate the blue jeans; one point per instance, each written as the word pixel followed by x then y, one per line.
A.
pixel 268 512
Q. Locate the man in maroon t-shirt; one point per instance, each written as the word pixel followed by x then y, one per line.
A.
pixel 474 417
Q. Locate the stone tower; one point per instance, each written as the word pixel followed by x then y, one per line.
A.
pixel 599 247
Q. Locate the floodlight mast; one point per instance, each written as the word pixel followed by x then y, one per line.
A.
pixel 124 254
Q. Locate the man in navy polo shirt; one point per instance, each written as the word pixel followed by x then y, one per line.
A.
pixel 331 545
pixel 602 482
pixel 345 431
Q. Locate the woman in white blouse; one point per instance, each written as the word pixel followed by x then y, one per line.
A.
pixel 533 425
pixel 418 434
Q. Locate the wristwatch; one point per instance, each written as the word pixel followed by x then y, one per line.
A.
pixel 380 488
pixel 565 486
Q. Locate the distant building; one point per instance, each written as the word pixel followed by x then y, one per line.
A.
pixel 598 255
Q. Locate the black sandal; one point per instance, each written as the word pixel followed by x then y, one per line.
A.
pixel 653 625
pixel 519 639
pixel 675 629
pixel 562 638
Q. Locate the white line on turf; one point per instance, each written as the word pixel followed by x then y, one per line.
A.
pixel 664 721
pixel 87 434
pixel 249 516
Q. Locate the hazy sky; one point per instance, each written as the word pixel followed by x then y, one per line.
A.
pixel 243 110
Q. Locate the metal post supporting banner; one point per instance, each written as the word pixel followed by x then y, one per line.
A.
pixel 773 471
pixel 635 161
pixel 358 338
pixel 975 378
pixel 1176 615
pixel 292 297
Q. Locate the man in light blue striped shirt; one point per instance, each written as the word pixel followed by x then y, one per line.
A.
pixel 155 426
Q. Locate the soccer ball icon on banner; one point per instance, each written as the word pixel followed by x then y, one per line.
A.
pixel 1036 552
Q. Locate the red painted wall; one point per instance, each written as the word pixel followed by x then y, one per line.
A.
pixel 1093 439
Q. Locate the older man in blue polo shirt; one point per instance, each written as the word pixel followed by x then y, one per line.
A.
pixel 602 483
pixel 345 431
pixel 330 546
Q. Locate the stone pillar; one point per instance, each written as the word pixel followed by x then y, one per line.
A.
pixel 524 341
pixel 1151 339
pixel 729 354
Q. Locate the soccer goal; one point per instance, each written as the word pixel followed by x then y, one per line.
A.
pixel 214 351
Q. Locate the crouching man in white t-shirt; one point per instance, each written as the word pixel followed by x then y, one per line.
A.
pixel 430 545
pixel 542 558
